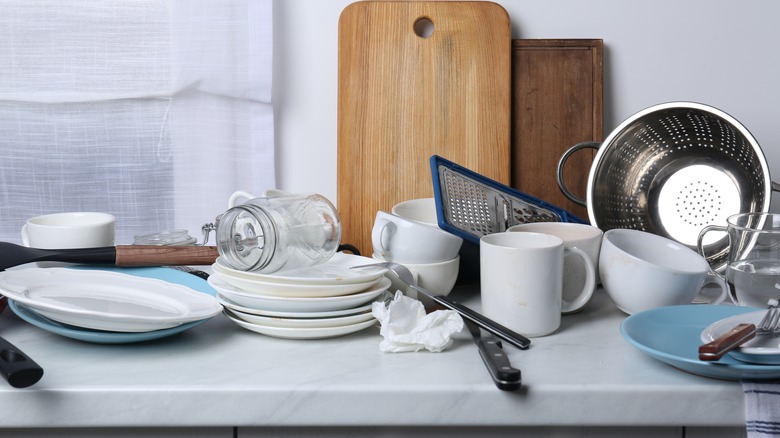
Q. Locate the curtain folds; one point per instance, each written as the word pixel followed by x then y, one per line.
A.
pixel 152 110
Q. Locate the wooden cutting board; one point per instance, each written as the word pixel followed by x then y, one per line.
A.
pixel 557 102
pixel 417 79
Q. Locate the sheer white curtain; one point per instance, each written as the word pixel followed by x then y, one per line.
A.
pixel 152 110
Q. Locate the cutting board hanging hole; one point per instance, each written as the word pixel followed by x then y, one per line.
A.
pixel 423 27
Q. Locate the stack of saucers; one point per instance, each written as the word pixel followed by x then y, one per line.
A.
pixel 323 301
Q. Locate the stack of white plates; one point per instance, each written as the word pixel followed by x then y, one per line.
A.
pixel 107 305
pixel 323 301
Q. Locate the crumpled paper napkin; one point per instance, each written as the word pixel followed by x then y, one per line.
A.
pixel 406 327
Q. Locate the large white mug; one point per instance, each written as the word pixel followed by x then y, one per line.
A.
pixel 641 271
pixel 581 236
pixel 521 278
pixel 69 230
pixel 397 239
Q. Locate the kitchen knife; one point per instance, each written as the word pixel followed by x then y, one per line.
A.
pixel 504 375
pixel 15 366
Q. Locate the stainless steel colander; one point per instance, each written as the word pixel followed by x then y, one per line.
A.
pixel 673 169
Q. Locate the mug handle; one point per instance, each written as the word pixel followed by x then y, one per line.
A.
pixel 380 239
pixel 716 278
pixel 705 230
pixel 25 239
pixel 588 287
pixel 239 194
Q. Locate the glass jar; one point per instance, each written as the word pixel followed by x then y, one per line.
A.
pixel 282 232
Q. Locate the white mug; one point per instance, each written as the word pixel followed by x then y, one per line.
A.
pixel 401 240
pixel 521 277
pixel 69 230
pixel 581 236
pixel 642 271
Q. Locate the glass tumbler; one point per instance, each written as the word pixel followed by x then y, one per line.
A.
pixel 753 270
pixel 283 232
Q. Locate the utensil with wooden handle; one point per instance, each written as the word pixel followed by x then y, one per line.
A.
pixel 732 339
pixel 121 255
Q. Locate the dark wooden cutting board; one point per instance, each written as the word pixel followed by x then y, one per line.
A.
pixel 557 101
pixel 404 95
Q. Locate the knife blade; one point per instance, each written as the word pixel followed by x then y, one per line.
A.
pixel 506 377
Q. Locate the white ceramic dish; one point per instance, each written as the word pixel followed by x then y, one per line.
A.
pixel 760 350
pixel 274 288
pixel 268 321
pixel 229 304
pixel 103 300
pixel 334 271
pixel 303 333
pixel 297 304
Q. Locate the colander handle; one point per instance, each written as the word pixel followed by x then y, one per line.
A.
pixel 562 164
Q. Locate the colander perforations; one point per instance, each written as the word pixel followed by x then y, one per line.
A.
pixel 674 169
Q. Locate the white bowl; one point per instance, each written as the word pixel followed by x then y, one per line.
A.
pixel 419 210
pixel 438 278
pixel 642 271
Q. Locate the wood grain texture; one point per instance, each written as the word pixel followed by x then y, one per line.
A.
pixel 159 255
pixel 557 101
pixel 403 98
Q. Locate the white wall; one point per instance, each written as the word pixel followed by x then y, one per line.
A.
pixel 719 52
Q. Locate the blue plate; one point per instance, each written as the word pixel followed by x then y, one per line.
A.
pixel 104 337
pixel 672 335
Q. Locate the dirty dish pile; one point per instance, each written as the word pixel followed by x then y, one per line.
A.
pixel 323 301
pixel 109 305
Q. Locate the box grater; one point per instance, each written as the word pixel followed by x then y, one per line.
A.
pixel 470 205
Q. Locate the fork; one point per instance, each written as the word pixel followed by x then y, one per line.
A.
pixel 403 274
pixel 768 326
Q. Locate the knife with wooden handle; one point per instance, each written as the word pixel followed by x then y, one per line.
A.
pixel 726 342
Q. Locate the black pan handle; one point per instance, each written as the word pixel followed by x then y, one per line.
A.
pixel 16 367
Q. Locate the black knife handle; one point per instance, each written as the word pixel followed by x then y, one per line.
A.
pixel 16 367
pixel 504 375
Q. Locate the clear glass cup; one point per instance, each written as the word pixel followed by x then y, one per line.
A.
pixel 753 270
pixel 280 232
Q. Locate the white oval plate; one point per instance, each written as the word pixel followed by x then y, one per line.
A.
pixel 296 304
pixel 303 333
pixel 103 300
pixel 269 321
pixel 235 307
pixel 337 270
pixel 274 288
pixel 760 349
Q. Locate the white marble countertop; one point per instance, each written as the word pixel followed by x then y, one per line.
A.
pixel 219 374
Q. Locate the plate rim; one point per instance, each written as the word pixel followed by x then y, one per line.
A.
pixel 211 306
pixel 219 264
pixel 689 331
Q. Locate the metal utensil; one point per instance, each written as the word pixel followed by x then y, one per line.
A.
pixel 488 324
pixel 121 255
pixel 470 205
pixel 504 375
pixel 769 325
